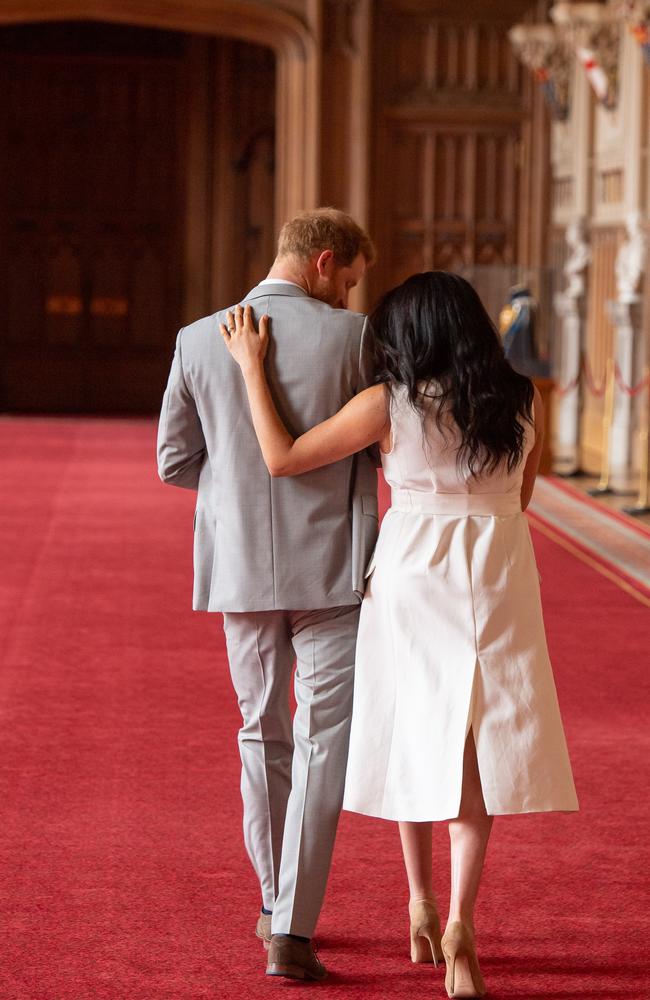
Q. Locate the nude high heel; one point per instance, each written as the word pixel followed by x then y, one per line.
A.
pixel 463 977
pixel 425 932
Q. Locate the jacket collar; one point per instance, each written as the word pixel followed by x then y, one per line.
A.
pixel 273 288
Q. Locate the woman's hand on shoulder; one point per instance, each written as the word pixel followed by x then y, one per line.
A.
pixel 246 345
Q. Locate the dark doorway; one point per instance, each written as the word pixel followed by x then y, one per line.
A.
pixel 90 216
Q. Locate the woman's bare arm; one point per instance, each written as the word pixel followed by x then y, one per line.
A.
pixel 360 423
pixel 532 462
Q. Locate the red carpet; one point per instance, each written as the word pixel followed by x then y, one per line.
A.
pixel 123 870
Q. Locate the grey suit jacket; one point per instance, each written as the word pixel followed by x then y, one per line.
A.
pixel 260 543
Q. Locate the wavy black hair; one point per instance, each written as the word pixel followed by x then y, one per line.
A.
pixel 433 335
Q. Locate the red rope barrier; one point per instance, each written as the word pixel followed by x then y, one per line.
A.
pixel 564 390
pixel 630 390
pixel 594 389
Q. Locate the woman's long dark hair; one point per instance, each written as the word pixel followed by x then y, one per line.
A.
pixel 433 335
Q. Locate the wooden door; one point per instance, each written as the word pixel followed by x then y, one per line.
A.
pixel 90 205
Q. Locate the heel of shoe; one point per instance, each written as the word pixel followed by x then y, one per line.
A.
pixel 425 932
pixel 463 978
pixel 287 971
pixel 464 982
pixel 423 948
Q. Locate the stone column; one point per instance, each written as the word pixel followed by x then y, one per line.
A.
pixel 625 318
pixel 570 315
pixel 569 308
pixel 625 313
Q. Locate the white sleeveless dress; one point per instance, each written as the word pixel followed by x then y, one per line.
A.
pixel 451 637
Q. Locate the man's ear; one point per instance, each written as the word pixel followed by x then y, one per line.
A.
pixel 323 261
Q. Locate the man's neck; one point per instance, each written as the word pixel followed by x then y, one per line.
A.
pixel 288 271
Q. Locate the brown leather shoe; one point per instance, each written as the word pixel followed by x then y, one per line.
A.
pixel 263 929
pixel 294 959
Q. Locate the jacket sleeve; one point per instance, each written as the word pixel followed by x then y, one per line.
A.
pixel 181 444
pixel 366 375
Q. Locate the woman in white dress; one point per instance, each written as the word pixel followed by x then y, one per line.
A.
pixel 455 713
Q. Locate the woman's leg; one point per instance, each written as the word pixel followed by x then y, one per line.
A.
pixel 469 835
pixel 423 912
pixel 416 847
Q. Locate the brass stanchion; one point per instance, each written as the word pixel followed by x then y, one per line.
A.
pixel 641 506
pixel 608 417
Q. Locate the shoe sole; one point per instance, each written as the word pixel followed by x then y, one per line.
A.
pixel 293 972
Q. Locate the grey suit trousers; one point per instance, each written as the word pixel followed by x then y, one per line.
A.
pixel 292 776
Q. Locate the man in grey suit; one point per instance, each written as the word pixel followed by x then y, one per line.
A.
pixel 283 559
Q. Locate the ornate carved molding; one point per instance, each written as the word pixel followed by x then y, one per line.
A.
pixel 637 15
pixel 447 101
pixel 577 259
pixel 631 257
pixel 544 50
pixel 594 31
pixel 562 192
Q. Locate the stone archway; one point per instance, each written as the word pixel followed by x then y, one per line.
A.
pixel 297 160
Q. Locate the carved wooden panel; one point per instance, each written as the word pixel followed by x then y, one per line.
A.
pixel 644 347
pixel 451 99
pixel 451 197
pixel 609 187
pixel 562 192
pixel 422 55
pixel 557 253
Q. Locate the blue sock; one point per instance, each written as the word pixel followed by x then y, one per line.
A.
pixel 267 913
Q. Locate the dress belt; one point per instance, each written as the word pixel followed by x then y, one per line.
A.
pixel 457 504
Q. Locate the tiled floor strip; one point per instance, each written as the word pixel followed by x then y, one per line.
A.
pixel 598 531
